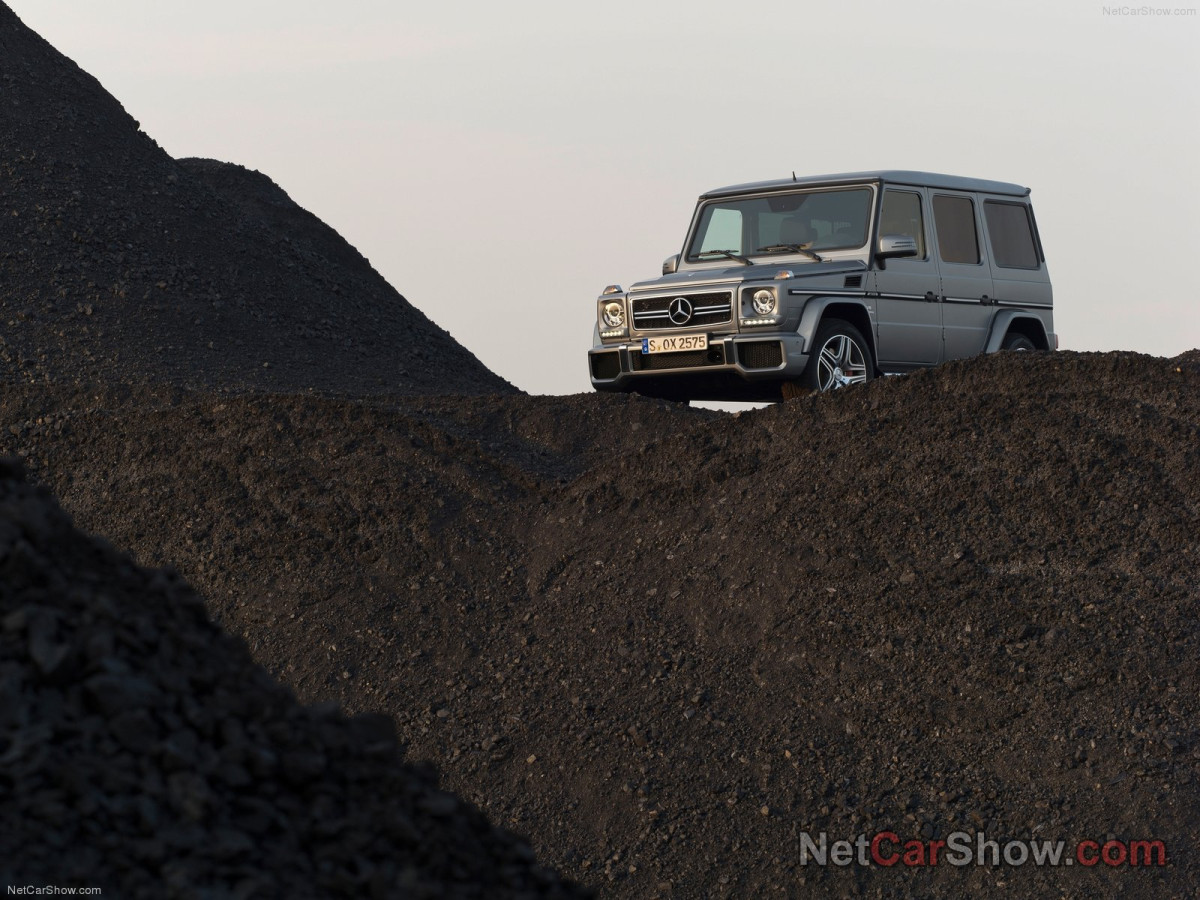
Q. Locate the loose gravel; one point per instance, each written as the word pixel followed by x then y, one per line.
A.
pixel 145 754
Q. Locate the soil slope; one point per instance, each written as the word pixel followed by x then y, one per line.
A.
pixel 147 755
pixel 665 643
pixel 118 262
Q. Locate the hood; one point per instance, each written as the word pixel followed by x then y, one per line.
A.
pixel 738 273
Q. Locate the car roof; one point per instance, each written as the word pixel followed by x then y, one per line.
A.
pixel 889 176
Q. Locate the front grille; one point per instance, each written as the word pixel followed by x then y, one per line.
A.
pixel 606 366
pixel 689 359
pixel 650 313
pixel 760 354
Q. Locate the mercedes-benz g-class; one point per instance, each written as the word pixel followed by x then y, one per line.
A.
pixel 808 284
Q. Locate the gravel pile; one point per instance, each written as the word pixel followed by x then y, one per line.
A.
pixel 142 751
pixel 666 643
pixel 122 264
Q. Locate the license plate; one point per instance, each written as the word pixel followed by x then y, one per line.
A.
pixel 675 343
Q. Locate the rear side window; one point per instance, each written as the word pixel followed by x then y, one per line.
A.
pixel 901 214
pixel 954 218
pixel 1010 234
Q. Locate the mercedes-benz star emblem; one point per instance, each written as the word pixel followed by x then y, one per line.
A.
pixel 680 311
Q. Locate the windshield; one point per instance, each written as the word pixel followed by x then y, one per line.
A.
pixel 781 223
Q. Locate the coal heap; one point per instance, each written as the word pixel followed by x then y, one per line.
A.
pixel 144 752
pixel 119 263
pixel 666 643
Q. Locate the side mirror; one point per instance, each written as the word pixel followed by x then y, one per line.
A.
pixel 671 265
pixel 893 246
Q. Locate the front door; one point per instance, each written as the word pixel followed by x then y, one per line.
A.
pixel 908 316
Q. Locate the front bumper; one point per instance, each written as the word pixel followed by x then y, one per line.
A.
pixel 734 367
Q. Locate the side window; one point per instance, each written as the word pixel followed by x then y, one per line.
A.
pixel 1010 235
pixel 901 214
pixel 954 218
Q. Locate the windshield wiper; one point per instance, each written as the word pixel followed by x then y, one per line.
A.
pixel 794 248
pixel 728 254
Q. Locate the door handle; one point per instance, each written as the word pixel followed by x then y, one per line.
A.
pixel 985 301
pixel 930 297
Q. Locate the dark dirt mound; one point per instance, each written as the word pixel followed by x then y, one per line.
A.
pixel 1189 360
pixel 143 751
pixel 666 643
pixel 120 263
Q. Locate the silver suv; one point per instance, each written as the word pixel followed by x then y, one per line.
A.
pixel 807 284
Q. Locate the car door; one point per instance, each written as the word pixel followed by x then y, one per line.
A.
pixel 1019 273
pixel 967 292
pixel 908 317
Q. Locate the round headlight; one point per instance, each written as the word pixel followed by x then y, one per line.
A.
pixel 614 315
pixel 764 302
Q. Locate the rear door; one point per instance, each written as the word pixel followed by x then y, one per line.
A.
pixel 967 292
pixel 908 317
pixel 1019 272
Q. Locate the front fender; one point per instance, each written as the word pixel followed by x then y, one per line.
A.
pixel 853 310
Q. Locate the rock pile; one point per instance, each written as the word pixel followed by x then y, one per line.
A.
pixel 120 263
pixel 963 600
pixel 143 752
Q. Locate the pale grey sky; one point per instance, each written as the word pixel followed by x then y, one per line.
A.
pixel 499 163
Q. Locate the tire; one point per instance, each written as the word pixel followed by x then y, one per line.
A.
pixel 841 357
pixel 1014 340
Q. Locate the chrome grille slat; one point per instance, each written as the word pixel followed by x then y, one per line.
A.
pixel 651 313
